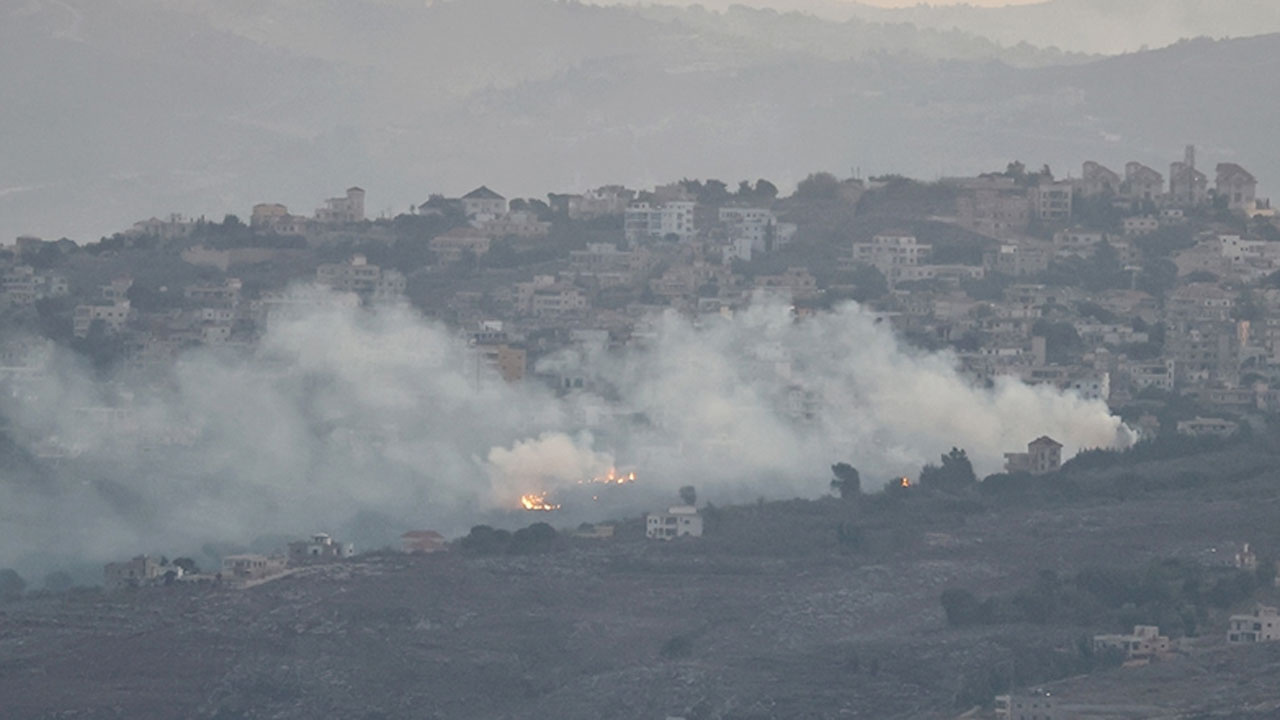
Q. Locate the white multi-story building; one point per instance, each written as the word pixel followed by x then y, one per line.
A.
pixel 1207 427
pixel 759 226
pixel 23 285
pixel 1141 225
pixel 647 221
pixel 483 205
pixel 113 316
pixel 557 300
pixel 348 209
pixel 1077 242
pixel 678 521
pixel 888 251
pixel 1159 375
pixel 1052 201
pixel 1145 642
pixel 226 292
pixel 1261 625
pixel 1240 250
pixel 355 275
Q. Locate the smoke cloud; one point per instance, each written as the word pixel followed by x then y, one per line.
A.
pixel 366 423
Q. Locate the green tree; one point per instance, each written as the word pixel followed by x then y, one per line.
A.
pixel 11 585
pixel 847 482
pixel 689 495
pixel 818 186
pixel 538 537
pixel 955 472
pixel 484 540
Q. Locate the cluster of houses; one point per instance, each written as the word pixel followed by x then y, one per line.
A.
pixel 1193 312
pixel 239 570
pixel 247 569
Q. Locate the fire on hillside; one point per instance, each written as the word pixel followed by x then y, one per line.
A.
pixel 537 502
pixel 613 477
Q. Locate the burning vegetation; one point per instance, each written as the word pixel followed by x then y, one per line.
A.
pixel 613 477
pixel 537 502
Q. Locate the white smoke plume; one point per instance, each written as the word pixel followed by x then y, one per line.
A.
pixel 367 423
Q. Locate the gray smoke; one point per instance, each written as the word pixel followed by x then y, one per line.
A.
pixel 371 422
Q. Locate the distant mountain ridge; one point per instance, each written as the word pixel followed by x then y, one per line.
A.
pixel 1086 26
pixel 123 109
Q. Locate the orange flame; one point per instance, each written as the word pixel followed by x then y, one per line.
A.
pixel 906 482
pixel 613 477
pixel 537 502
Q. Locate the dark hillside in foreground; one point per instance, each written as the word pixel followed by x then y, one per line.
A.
pixel 772 614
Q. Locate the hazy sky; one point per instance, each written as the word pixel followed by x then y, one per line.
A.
pixel 980 3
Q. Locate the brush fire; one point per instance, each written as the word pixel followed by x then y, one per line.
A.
pixel 613 477
pixel 537 502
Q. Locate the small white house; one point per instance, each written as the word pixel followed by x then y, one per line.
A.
pixel 1262 625
pixel 678 521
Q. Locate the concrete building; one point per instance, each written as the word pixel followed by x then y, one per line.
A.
pixel 1208 427
pixel 226 292
pixel 678 521
pixel 1019 259
pixel 253 567
pixel 600 258
pixel 356 275
pixel 1144 643
pixel 601 202
pixel 1237 185
pixel 1096 180
pixel 1187 185
pixel 1052 201
pixel 794 283
pixel 141 570
pixel 557 301
pixel 953 274
pixel 483 205
pixel 1160 375
pixel 275 218
pixel 1141 225
pixel 23 286
pixel 517 223
pixel 114 317
pixel 1141 183
pixel 997 207
pixel 757 226
pixel 1261 625
pixel 510 361
pixel 1034 705
pixel 1077 241
pixel 647 221
pixel 319 549
pixel 891 250
pixel 452 246
pixel 348 209
pixel 1043 455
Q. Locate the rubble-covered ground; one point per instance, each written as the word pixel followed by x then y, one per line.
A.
pixel 769 616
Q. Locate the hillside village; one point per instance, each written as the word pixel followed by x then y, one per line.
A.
pixel 1156 294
